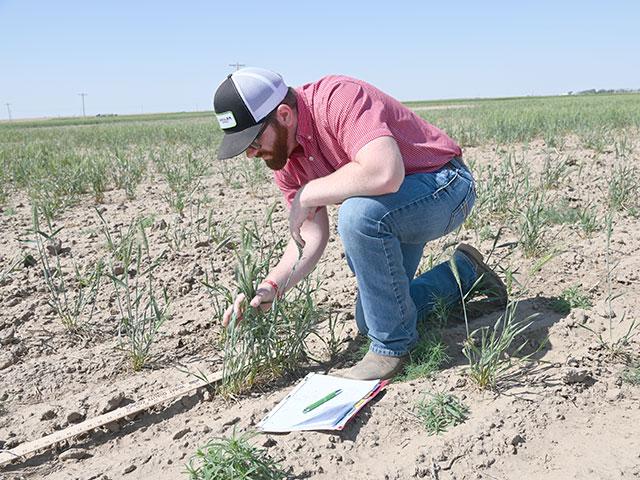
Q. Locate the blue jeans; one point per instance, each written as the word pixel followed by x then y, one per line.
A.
pixel 383 238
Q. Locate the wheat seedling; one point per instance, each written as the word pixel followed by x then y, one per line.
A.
pixel 623 188
pixel 142 311
pixel 183 176
pixel 492 355
pixel 263 344
pixel 554 171
pixel 74 310
pixel 127 171
pixel 533 225
pixel 617 347
pixel 5 274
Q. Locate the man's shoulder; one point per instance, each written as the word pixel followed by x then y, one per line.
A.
pixel 327 84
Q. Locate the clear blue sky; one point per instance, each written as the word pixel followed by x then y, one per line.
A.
pixel 158 56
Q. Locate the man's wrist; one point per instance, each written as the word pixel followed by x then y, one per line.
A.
pixel 273 285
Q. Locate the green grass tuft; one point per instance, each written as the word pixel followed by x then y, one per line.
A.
pixel 233 459
pixel 441 411
pixel 571 297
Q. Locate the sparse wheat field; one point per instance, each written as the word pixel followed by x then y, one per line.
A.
pixel 122 239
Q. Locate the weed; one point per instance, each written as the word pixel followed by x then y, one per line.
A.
pixel 426 358
pixel 233 459
pixel 631 374
pixel 440 411
pixel 440 313
pixel 571 297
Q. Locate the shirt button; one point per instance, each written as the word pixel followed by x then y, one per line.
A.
pixel 311 159
pixel 309 137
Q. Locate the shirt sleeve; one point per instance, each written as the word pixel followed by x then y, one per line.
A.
pixel 355 116
pixel 288 186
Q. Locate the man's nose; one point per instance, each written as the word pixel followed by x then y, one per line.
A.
pixel 251 152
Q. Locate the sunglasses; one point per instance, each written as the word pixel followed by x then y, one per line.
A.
pixel 256 145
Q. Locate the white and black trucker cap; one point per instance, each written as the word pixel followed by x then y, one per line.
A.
pixel 242 103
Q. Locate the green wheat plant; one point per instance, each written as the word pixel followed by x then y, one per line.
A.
pixel 617 346
pixel 142 303
pixel 183 176
pixel 233 458
pixel 439 411
pixel 492 351
pixel 119 243
pixel 127 170
pixel 95 170
pixel 623 147
pixel 624 187
pixel 555 170
pixel 75 309
pixel 265 343
pixel 533 225
pixel 253 174
pixel 13 266
pixel 332 338
pixel 588 221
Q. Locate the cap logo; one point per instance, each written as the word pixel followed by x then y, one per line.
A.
pixel 226 120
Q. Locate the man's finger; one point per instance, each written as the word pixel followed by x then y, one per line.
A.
pixel 226 317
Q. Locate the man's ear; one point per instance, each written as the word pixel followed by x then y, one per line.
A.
pixel 285 115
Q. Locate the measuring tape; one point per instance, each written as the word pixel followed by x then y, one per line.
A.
pixel 92 423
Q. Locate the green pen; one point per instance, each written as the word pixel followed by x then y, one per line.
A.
pixel 322 400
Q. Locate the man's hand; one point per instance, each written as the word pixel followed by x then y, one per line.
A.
pixel 263 299
pixel 297 216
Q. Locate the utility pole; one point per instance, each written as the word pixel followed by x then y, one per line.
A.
pixel 237 65
pixel 9 110
pixel 83 95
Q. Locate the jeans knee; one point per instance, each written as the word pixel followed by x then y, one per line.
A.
pixel 359 216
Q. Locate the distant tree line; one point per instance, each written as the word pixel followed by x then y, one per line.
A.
pixel 595 91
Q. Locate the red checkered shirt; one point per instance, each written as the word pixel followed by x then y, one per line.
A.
pixel 338 115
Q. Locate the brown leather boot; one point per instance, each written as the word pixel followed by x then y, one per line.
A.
pixel 374 366
pixel 490 283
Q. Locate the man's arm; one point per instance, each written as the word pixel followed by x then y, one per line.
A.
pixel 315 233
pixel 378 168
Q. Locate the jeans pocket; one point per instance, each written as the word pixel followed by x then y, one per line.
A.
pixel 461 212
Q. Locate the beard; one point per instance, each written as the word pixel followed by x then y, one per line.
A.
pixel 279 155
